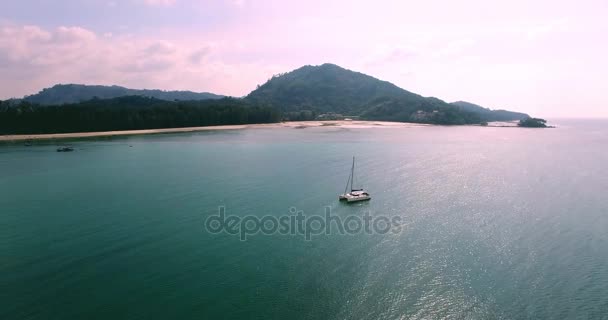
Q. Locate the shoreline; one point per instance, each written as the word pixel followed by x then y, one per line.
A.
pixel 354 124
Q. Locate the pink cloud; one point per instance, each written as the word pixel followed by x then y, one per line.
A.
pixel 32 58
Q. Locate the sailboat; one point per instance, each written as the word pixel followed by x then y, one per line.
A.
pixel 354 194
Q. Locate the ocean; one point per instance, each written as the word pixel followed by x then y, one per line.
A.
pixel 489 223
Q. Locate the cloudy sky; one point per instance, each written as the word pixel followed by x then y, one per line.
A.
pixel 545 57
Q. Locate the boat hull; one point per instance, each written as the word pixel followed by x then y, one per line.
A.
pixel 355 196
pixel 358 198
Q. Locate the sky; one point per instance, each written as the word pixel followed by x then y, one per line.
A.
pixel 548 58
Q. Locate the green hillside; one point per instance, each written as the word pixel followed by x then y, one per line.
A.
pixel 74 93
pixel 330 88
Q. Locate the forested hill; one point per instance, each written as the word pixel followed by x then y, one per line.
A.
pixel 325 88
pixel 129 113
pixel 329 88
pixel 74 93
pixel 489 114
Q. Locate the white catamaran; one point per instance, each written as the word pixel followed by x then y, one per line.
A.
pixel 354 194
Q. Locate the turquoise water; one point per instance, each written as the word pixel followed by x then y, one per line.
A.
pixel 498 223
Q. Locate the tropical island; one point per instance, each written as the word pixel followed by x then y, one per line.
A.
pixel 533 123
pixel 325 92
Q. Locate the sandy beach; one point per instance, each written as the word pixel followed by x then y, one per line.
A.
pixel 294 124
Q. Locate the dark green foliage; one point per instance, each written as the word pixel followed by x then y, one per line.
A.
pixel 74 93
pixel 325 88
pixel 430 110
pixel 490 115
pixel 331 89
pixel 129 113
pixel 533 123
pixel 303 115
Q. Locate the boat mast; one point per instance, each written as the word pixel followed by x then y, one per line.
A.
pixel 352 174
pixel 347 182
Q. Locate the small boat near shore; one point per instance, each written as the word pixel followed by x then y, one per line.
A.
pixel 355 194
pixel 65 149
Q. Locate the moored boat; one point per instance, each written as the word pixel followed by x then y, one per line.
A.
pixel 355 194
pixel 65 149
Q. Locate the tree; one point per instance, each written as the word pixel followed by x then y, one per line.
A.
pixel 533 123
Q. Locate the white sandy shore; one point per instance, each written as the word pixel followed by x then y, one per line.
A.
pixel 294 124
